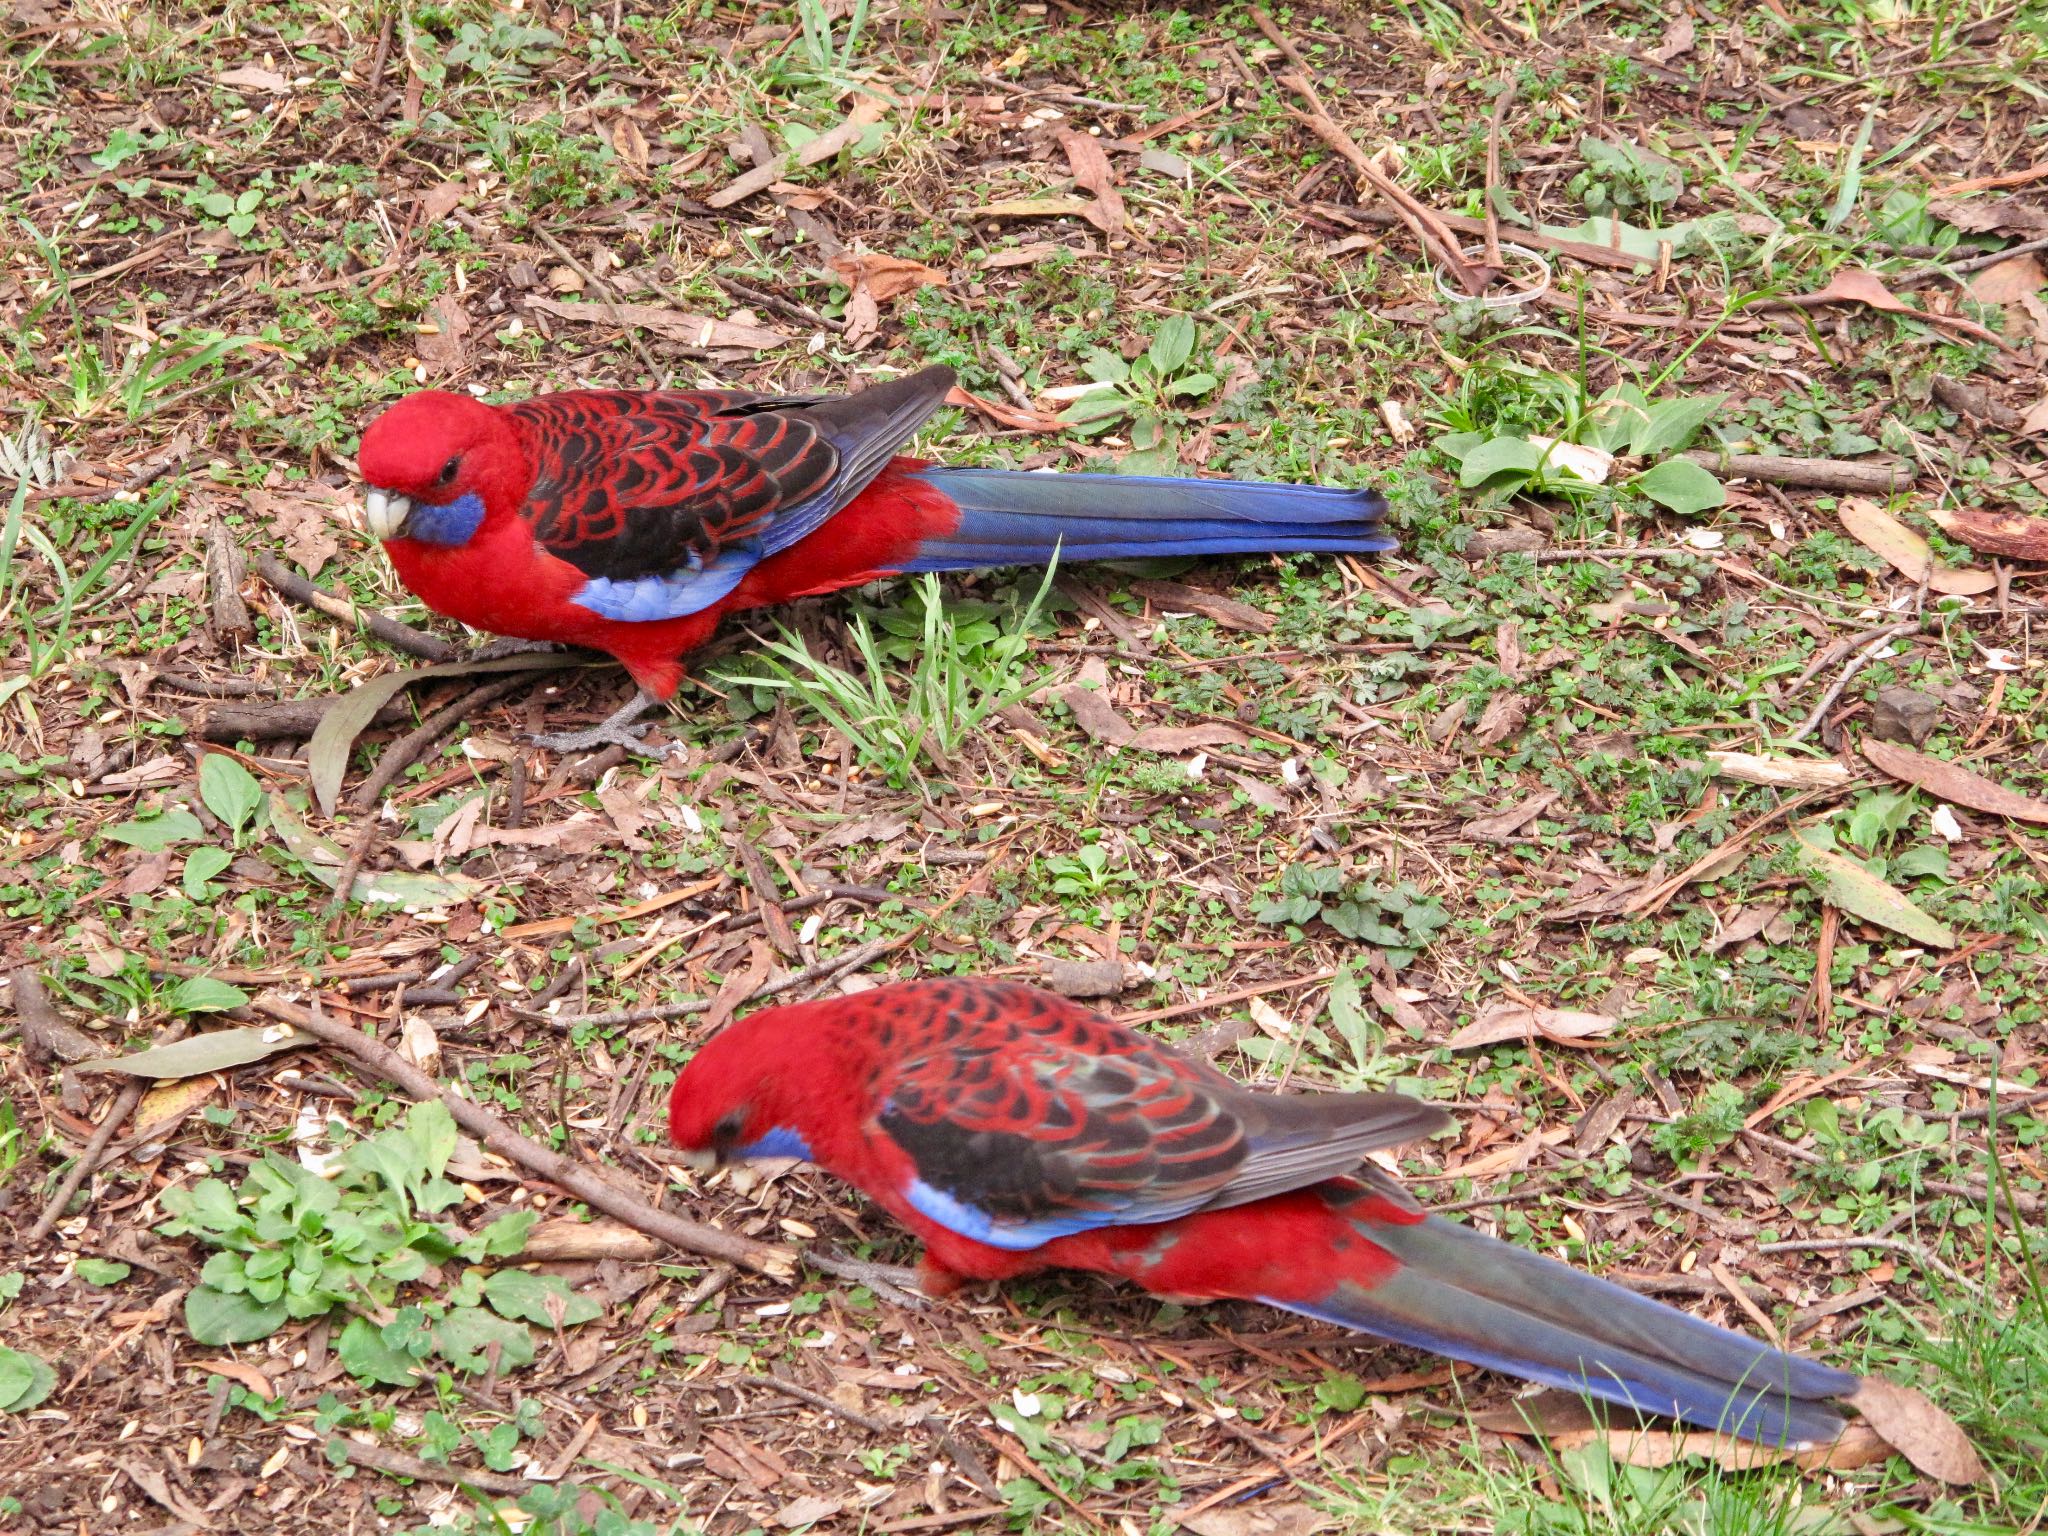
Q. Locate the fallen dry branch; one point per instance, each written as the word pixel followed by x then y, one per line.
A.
pixel 404 637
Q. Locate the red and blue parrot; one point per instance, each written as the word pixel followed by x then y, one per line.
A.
pixel 631 521
pixel 1015 1131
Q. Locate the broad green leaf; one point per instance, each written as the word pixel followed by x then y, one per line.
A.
pixel 1500 456
pixel 201 865
pixel 1172 345
pixel 1669 425
pixel 229 790
pixel 219 1317
pixel 216 1051
pixel 1858 892
pixel 102 1271
pixel 1191 384
pixel 1681 485
pixel 1104 366
pixel 156 833
pixel 507 1235
pixel 366 1356
pixel 335 737
pixel 523 1296
pixel 202 994
pixel 25 1380
pixel 466 1334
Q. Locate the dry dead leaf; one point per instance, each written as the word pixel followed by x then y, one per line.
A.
pixel 1035 208
pixel 566 1239
pixel 1853 285
pixel 2015 535
pixel 303 522
pixel 1096 716
pixel 2002 215
pixel 1257 1519
pixel 1028 255
pixel 440 200
pixel 1504 715
pixel 1504 824
pixel 1928 1438
pixel 1905 551
pixel 1953 782
pixel 866 112
pixel 1092 172
pixel 1176 597
pixel 1171 739
pixel 440 341
pixel 887 277
pixel 807 1510
pixel 238 1371
pixel 630 144
pixel 252 77
pixel 675 324
pixel 1678 39
pixel 1498 1023
pixel 1782 772
pixel 1003 414
pixel 2008 281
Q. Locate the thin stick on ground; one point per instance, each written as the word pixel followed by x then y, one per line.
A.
pixel 289 584
pixel 609 295
pixel 410 748
pixel 1855 664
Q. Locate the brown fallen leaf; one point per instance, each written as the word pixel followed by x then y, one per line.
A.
pixel 675 324
pixel 2015 535
pixel 1953 782
pixel 631 145
pixel 1226 611
pixel 1092 172
pixel 1028 255
pixel 1905 551
pixel 1498 1023
pixel 1502 825
pixel 887 277
pixel 1170 739
pixel 1258 1519
pixel 1003 414
pixel 1035 208
pixel 1928 1438
pixel 252 77
pixel 2002 215
pixel 866 112
pixel 1504 715
pixel 2008 281
pixel 1096 715
pixel 440 341
pixel 303 521
pixel 1678 39
pixel 439 200
pixel 1853 285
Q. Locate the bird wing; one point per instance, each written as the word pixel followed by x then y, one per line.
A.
pixel 1039 1139
pixel 666 499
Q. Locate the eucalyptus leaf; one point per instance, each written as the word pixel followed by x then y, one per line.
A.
pixel 215 1051
pixel 1860 893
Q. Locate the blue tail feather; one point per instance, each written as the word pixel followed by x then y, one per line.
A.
pixel 1008 517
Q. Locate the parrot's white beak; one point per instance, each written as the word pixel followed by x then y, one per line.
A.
pixel 698 1160
pixel 385 513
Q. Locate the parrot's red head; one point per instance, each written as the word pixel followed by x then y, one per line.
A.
pixel 778 1083
pixel 436 465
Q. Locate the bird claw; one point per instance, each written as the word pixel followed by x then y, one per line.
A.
pixel 498 650
pixel 604 735
pixel 892 1282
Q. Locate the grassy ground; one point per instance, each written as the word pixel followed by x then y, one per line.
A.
pixel 1399 801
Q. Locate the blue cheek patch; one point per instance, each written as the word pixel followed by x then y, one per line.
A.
pixel 779 1142
pixel 451 524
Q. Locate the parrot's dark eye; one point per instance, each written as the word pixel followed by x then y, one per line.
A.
pixel 448 470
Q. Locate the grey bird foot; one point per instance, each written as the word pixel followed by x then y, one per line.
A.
pixel 499 649
pixel 892 1282
pixel 613 731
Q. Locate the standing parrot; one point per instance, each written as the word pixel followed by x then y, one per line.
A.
pixel 630 521
pixel 1015 1131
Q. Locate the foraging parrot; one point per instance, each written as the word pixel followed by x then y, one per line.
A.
pixel 1015 1131
pixel 631 521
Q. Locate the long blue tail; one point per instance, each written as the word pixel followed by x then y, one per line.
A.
pixel 1464 1294
pixel 1011 517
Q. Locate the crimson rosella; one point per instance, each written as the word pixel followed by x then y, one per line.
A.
pixel 1015 1131
pixel 630 521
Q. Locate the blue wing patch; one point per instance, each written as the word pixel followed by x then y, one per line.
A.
pixel 970 1221
pixel 671 595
